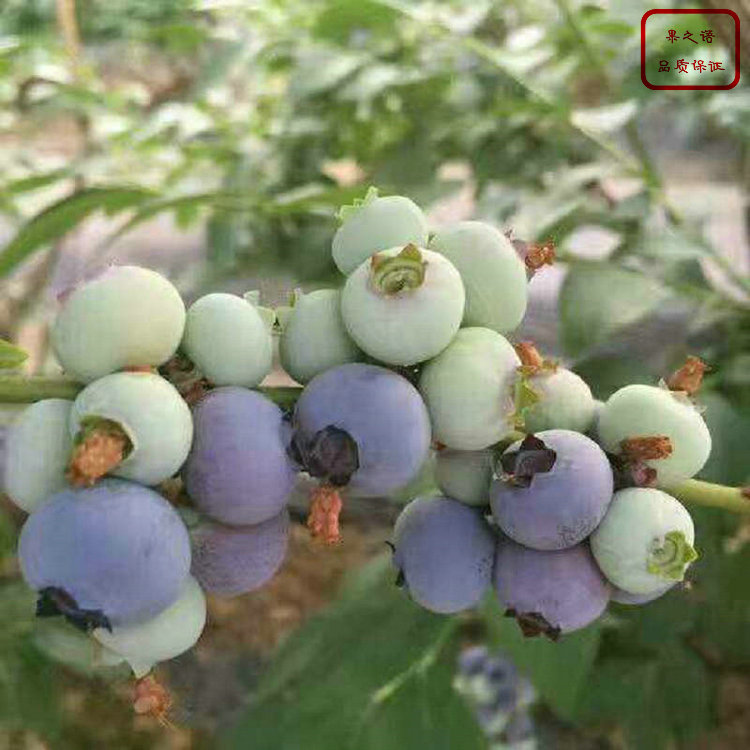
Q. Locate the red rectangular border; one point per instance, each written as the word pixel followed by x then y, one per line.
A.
pixel 684 11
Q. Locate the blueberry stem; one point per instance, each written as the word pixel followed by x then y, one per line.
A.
pixel 697 492
pixel 26 389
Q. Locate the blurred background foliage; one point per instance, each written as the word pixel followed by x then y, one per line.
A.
pixel 247 123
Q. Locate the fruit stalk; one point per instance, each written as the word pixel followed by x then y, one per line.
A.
pixel 710 495
pixel 26 389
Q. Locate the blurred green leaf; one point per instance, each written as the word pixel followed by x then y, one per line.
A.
pixel 730 434
pixel 372 671
pixel 605 374
pixel 559 671
pixel 34 181
pixel 604 119
pixel 658 701
pixel 7 535
pixel 58 219
pixel 11 356
pixel 596 300
pixel 340 19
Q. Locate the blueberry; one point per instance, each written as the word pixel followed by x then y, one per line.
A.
pixel 549 592
pixel 314 338
pixel 560 505
pixel 126 317
pixel 645 541
pixel 493 274
pixel 38 450
pixel 404 305
pixel 172 632
pixel 643 411
pixel 228 340
pixel 469 390
pixel 232 560
pixel 375 224
pixel 444 551
pixel 238 471
pixel 114 554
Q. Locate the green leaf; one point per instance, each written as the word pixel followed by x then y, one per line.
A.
pixel 341 18
pixel 7 535
pixel 606 374
pixel 730 435
pixel 59 218
pixel 184 206
pixel 596 300
pixel 373 671
pixel 11 356
pixel 559 671
pixel 34 181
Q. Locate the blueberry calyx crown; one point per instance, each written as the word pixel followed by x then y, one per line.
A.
pixel 670 555
pixel 394 274
pixel 532 457
pixel 534 624
pixel 347 211
pixel 54 602
pixel 331 454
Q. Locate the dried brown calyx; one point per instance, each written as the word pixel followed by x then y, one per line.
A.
pixel 689 377
pixel 151 698
pixel 538 254
pixel 535 255
pixel 100 446
pixel 646 448
pixel 186 378
pixel 532 361
pixel 532 457
pixel 323 518
pixel 332 456
pixel 534 624
pixel 54 602
pixel 631 473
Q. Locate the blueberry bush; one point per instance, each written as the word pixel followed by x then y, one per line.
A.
pixel 570 518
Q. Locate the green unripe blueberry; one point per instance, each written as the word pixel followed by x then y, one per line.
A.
pixel 71 647
pixel 469 390
pixel 645 540
pixel 494 275
pixel 404 305
pixel 314 338
pixel 564 402
pixel 169 634
pixel 38 449
pixel 152 414
pixel 465 475
pixel 126 317
pixel 646 411
pixel 376 224
pixel 229 340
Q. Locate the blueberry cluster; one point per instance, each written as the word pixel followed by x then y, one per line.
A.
pixel 499 696
pixel 408 356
